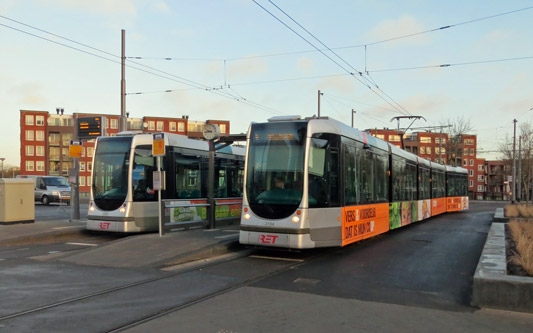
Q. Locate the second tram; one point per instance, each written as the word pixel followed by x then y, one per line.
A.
pixel 122 198
pixel 316 182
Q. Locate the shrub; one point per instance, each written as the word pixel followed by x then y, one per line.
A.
pixel 523 236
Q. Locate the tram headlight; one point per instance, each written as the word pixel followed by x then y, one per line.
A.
pixel 246 216
pixel 295 219
pixel 123 209
pixel 91 207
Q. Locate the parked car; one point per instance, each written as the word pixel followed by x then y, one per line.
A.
pixel 51 189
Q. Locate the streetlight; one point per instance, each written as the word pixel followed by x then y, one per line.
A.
pixel 2 159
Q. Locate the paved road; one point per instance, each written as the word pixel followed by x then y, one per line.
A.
pixel 55 211
pixel 415 279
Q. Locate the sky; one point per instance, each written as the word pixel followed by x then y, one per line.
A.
pixel 235 60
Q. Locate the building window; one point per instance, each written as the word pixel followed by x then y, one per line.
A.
pixel 472 151
pixel 425 139
pixel 53 170
pixel 90 151
pixel 82 166
pixel 480 178
pixel 223 128
pixel 82 181
pixel 480 167
pixel 30 150
pixel 471 183
pixel 82 151
pixel 89 183
pixel 428 150
pixel 29 135
pixel 440 140
pixel 39 135
pixel 39 151
pixel 114 123
pixel 480 188
pixel 151 125
pixel 29 165
pixel 465 162
pixel 39 120
pixel 89 166
pixel 54 154
pixel 65 167
pixel 67 137
pixel 29 120
pixel 394 138
pixel 471 173
pixel 160 126
pixel 40 165
pixel 172 126
pixel 422 150
pixel 471 162
pixel 181 127
pixel 53 139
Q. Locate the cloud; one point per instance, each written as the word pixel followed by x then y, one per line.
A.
pixel 426 106
pixel 29 94
pixel 402 26
pixel 244 68
pixel 161 7
pixel 339 84
pixel 304 65
pixel 102 7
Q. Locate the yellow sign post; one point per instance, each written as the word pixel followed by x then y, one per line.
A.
pixel 74 150
pixel 158 145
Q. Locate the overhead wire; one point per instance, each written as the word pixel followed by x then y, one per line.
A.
pixel 339 57
pixel 162 74
pixel 343 47
pixel 327 56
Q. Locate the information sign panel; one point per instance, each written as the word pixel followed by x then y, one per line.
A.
pixel 74 150
pixel 158 145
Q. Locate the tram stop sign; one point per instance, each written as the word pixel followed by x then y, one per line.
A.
pixel 74 150
pixel 158 145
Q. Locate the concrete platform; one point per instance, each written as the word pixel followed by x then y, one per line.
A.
pixel 151 250
pixel 493 288
pixel 135 251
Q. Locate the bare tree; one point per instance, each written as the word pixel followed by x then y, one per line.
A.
pixel 456 128
pixel 526 176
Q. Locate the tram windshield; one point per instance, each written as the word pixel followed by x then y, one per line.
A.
pixel 110 172
pixel 274 180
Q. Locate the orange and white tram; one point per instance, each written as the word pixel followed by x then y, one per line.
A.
pixel 316 182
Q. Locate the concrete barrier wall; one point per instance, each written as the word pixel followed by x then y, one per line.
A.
pixel 493 288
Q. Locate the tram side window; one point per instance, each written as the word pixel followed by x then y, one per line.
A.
pixel 437 184
pixel 324 178
pixel 398 174
pixel 144 164
pixel 411 188
pixel 188 176
pixel 423 184
pixel 367 176
pixel 351 183
pixel 381 178
pixel 228 178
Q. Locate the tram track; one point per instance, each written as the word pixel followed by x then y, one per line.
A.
pixel 175 272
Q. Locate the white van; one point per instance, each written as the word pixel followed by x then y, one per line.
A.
pixel 51 189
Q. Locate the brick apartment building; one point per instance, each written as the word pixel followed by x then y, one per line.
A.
pixel 45 139
pixel 438 147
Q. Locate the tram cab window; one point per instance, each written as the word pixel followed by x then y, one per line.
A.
pixel 323 171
